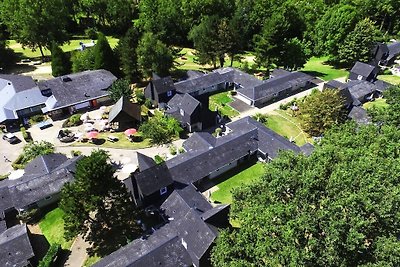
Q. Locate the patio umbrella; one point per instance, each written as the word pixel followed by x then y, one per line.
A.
pixel 92 134
pixel 130 132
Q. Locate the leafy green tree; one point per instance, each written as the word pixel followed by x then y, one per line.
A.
pixel 34 149
pixel 389 115
pixel 322 110
pixel 154 56
pixel 83 60
pixel 7 55
pixel 358 43
pixel 104 57
pixel 126 51
pixel 60 62
pixel 161 129
pixel 119 88
pixel 97 206
pixel 294 55
pixel 35 24
pixel 337 207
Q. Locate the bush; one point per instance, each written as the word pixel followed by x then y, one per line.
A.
pixel 91 33
pixel 37 118
pixel 387 72
pixel 50 256
pixel 18 162
pixel 27 216
pixel 75 153
pixel 4 176
pixel 217 132
pixel 233 92
pixel 148 104
pixel 159 159
pixel 260 117
pixel 140 98
pixel 74 120
pixel 173 150
pixel 25 134
pixel 181 150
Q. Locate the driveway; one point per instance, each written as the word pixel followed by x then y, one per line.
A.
pixel 9 153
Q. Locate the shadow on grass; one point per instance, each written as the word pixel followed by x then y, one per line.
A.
pixel 315 73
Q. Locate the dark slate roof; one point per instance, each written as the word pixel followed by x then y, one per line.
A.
pixel 334 84
pixel 360 89
pixel 394 48
pixel 209 214
pixel 191 74
pixel 307 149
pixel 348 98
pixel 5 197
pixel 185 102
pixel 163 248
pixel 279 72
pixel 193 85
pixel 359 115
pixel 19 82
pixel 145 162
pixel 77 88
pixel 181 201
pixel 275 85
pixel 15 247
pixel 382 85
pixel 153 179
pixel 32 187
pixel 363 69
pixel 240 78
pixel 45 164
pixel 163 85
pixel 200 141
pixel 124 105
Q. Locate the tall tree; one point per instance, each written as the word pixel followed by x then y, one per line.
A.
pixel 104 55
pixel 7 55
pixel 120 87
pixel 35 24
pixel 97 206
pixel 358 43
pixel 126 51
pixel 154 56
pixel 83 60
pixel 388 115
pixel 322 110
pixel 60 62
pixel 161 129
pixel 337 207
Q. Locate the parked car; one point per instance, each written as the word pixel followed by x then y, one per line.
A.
pixel 11 138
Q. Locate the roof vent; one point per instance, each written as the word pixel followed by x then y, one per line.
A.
pixel 87 95
pixel 66 79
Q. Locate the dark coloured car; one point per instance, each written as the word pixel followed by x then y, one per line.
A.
pixel 12 139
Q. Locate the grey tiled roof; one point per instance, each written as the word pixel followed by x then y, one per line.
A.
pixel 394 48
pixel 363 69
pixel 200 141
pixel 243 79
pixel 195 84
pixel 185 102
pixel 15 247
pixel 126 106
pixel 335 84
pixel 153 179
pixel 360 89
pixel 163 85
pixel 359 115
pixel 145 162
pixel 78 87
pixel 19 82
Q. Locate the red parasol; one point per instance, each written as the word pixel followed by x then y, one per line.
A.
pixel 92 134
pixel 130 132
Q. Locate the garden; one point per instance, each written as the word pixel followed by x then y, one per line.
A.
pixel 220 102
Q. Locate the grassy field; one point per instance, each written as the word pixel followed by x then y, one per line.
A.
pixel 284 124
pixel 393 79
pixel 318 67
pixel 233 179
pixel 72 45
pixel 378 103
pixel 122 142
pixel 52 226
pixel 220 101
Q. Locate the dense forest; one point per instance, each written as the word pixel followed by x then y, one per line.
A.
pixel 281 33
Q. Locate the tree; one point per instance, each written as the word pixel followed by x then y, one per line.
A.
pixel 97 206
pixel 126 51
pixel 104 57
pixel 35 24
pixel 161 129
pixel 337 207
pixel 322 110
pixel 358 43
pixel 154 56
pixel 389 115
pixel 119 88
pixel 34 149
pixel 60 62
pixel 7 55
pixel 294 55
pixel 83 60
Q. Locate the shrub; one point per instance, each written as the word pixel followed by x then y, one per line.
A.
pixel 173 150
pixel 260 117
pixel 4 176
pixel 50 256
pixel 233 92
pixel 74 120
pixel 18 162
pixel 159 159
pixel 181 150
pixel 387 72
pixel 37 118
pixel 75 153
pixel 91 33
pixel 148 104
pixel 29 215
pixel 217 132
pixel 140 98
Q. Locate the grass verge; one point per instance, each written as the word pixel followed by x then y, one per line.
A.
pixel 393 79
pixel 318 67
pixel 377 103
pixel 220 102
pixel 52 226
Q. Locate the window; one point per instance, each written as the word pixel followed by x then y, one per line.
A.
pixel 359 77
pixel 163 191
pixel 169 93
pixel 47 198
pixel 182 112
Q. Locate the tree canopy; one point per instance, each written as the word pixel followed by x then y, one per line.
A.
pixel 161 129
pixel 104 57
pixel 337 207
pixel 97 206
pixel 119 88
pixel 60 62
pixel 389 115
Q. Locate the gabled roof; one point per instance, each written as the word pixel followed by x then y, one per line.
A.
pixel 153 179
pixel 381 86
pixel 185 102
pixel 360 89
pixel 123 105
pixel 334 84
pixel 45 164
pixel 196 84
pixel 145 162
pixel 363 69
pixel 279 72
pixel 163 85
pixel 19 82
pixel 240 78
pixel 77 88
pixel 394 48
pixel 209 214
pixel 15 247
pixel 200 141
pixel 359 115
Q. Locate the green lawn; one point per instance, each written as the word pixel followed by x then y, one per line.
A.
pixel 378 103
pixel 52 226
pixel 319 68
pixel 122 142
pixel 393 79
pixel 232 180
pixel 72 45
pixel 220 101
pixel 284 124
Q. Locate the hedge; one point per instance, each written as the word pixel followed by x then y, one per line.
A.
pixel 74 120
pixel 17 164
pixel 50 256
